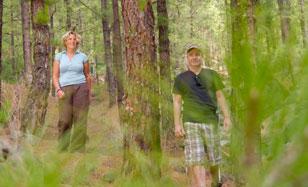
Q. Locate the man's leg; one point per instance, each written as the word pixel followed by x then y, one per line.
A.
pixel 195 153
pixel 197 176
pixel 213 152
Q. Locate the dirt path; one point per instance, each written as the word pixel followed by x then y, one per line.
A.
pixel 103 158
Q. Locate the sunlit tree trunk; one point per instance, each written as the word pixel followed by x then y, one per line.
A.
pixel 108 57
pixel 284 11
pixel 26 36
pixel 191 18
pixel 80 22
pixel 141 131
pixel 68 14
pixel 1 14
pixel 34 111
pixel 12 41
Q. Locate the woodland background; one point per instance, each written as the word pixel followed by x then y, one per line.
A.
pixel 136 48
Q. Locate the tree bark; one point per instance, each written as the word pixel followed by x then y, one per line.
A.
pixel 68 14
pixel 35 107
pixel 52 46
pixel 1 15
pixel 284 11
pixel 165 72
pixel 25 17
pixel 302 21
pixel 141 131
pixel 108 57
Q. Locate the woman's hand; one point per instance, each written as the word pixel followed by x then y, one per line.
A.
pixel 60 93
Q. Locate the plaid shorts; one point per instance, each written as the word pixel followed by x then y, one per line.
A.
pixel 202 144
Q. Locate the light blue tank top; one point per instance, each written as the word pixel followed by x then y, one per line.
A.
pixel 71 71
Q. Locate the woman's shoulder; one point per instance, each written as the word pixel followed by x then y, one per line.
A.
pixel 59 55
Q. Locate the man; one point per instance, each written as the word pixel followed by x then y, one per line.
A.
pixel 200 90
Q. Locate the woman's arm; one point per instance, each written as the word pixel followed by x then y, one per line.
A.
pixel 55 78
pixel 86 71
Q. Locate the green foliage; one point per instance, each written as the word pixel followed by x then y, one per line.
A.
pixel 42 16
pixel 4 113
pixel 142 4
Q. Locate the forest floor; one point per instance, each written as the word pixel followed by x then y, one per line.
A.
pixel 101 164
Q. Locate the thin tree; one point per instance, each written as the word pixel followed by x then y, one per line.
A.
pixel 108 57
pixel 26 36
pixel 141 128
pixel 284 12
pixel 302 22
pixel 252 127
pixel 12 41
pixel 117 58
pixel 68 14
pixel 164 67
pixel 52 11
pixel 1 15
pixel 35 107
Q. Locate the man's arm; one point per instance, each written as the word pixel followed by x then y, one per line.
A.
pixel 224 108
pixel 177 104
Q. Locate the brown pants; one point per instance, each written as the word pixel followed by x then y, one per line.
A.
pixel 73 112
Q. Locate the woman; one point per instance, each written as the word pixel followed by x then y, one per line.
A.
pixel 72 82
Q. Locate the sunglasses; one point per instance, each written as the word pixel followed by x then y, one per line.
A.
pixel 198 81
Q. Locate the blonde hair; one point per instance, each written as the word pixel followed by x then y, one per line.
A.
pixel 67 34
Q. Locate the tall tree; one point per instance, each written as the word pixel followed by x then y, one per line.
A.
pixel 1 14
pixel 12 41
pixel 302 21
pixel 68 14
pixel 141 131
pixel 164 67
pixel 284 11
pixel 246 131
pixel 117 57
pixel 25 17
pixel 108 56
pixel 52 11
pixel 35 107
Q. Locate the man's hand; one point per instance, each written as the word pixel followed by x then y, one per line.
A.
pixel 227 123
pixel 179 131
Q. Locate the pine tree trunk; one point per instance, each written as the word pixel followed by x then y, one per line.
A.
pixel 117 58
pixel 35 107
pixel 52 46
pixel 108 58
pixel 1 15
pixel 165 73
pixel 141 128
pixel 302 21
pixel 284 11
pixel 25 17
